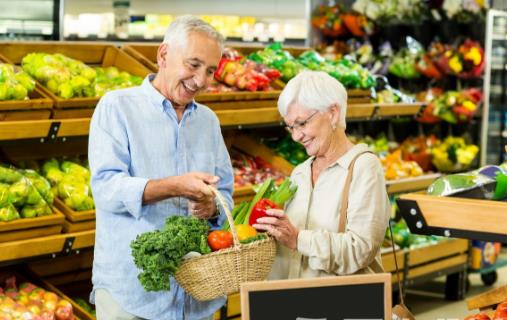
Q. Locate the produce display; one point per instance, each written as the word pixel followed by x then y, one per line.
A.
pixel 450 106
pixel 30 302
pixel 23 194
pixel 500 313
pixel 252 170
pixel 405 239
pixel 489 182
pixel 349 73
pixel 334 21
pixel 239 73
pixel 397 168
pixel 288 149
pixel 453 154
pixel 70 182
pixel 68 78
pixel 463 60
pixel 15 84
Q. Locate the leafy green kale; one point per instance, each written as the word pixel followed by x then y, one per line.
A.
pixel 159 253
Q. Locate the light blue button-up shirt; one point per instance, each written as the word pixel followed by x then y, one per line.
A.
pixel 135 136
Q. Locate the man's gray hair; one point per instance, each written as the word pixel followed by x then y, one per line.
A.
pixel 315 90
pixel 178 30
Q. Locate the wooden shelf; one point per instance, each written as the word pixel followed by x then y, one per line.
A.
pixel 454 217
pixel 34 129
pixel 382 110
pixel 54 244
pixel 411 184
pixel 241 114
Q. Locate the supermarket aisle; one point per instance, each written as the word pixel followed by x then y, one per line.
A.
pixel 432 306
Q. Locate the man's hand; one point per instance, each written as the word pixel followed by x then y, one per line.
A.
pixel 203 209
pixel 195 186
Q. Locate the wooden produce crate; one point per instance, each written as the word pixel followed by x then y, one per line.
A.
pixel 454 217
pixel 252 147
pixel 37 107
pixel 76 220
pixel 25 275
pixel 440 256
pixel 390 266
pixel 28 228
pixel 92 54
pixel 487 301
pixel 70 291
pixel 147 55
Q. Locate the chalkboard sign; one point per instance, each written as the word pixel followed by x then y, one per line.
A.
pixel 365 297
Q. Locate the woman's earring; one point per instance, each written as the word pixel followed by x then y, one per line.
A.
pixel 333 126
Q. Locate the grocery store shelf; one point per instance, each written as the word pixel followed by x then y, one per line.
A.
pixel 46 129
pixel 382 110
pixel 454 217
pixel 411 184
pixel 55 244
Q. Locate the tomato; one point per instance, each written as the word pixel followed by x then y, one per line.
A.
pixel 219 239
pixel 501 311
pixel 245 231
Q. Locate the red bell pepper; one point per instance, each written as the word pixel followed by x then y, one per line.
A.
pixel 259 210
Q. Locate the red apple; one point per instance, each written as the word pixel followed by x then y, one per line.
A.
pixel 27 287
pixel 47 315
pixel 501 311
pixel 64 310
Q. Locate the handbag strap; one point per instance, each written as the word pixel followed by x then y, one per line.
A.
pixel 345 194
pixel 343 217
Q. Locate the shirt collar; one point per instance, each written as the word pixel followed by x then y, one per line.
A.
pixel 157 99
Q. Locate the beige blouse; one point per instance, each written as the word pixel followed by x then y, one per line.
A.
pixel 321 250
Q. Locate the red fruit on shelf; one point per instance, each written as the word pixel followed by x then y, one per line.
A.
pixel 501 311
pixel 479 316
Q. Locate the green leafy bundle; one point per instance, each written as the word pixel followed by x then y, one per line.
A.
pixel 159 253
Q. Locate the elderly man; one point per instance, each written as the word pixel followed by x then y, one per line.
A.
pixel 153 152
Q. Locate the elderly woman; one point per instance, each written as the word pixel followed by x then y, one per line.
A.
pixel 311 244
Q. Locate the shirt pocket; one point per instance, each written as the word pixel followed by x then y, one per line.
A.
pixel 203 161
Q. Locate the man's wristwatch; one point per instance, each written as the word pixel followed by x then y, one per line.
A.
pixel 217 212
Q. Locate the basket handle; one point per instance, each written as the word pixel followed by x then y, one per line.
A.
pixel 222 202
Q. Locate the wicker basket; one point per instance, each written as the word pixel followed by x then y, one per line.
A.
pixel 220 273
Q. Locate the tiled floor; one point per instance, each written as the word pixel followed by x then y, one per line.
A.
pixel 433 306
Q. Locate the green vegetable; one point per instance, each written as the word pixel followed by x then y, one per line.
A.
pixel 253 239
pixel 85 305
pixel 159 253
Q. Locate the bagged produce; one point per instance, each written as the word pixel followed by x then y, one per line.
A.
pixel 15 84
pixel 70 182
pixel 69 78
pixel 28 195
pixel 489 182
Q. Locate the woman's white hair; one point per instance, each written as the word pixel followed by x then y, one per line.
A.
pixel 178 30
pixel 315 90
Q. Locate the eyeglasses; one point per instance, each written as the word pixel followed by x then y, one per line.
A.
pixel 299 125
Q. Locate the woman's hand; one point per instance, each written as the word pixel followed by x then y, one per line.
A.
pixel 279 226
